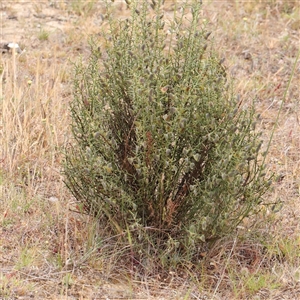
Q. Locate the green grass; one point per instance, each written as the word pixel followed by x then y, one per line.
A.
pixel 43 35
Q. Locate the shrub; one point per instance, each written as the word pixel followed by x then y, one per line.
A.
pixel 163 153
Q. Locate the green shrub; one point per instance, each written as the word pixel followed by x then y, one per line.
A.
pixel 162 152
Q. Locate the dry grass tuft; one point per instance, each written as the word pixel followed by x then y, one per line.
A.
pixel 47 250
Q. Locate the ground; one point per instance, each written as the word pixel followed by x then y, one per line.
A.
pixel 48 251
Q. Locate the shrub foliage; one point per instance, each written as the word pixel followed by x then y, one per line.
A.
pixel 163 150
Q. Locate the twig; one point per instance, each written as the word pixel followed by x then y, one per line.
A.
pixel 224 269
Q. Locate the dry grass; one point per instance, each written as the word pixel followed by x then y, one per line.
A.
pixel 47 251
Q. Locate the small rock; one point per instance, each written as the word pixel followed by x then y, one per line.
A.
pixel 10 47
pixel 53 199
